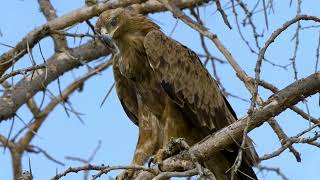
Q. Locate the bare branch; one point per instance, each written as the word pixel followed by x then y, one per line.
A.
pixel 223 14
pixel 294 108
pixel 74 35
pixel 296 139
pixel 5 142
pixel 167 175
pixel 21 71
pixel 36 149
pixel 317 55
pixel 249 14
pixel 102 168
pixel 111 168
pixel 275 34
pixel 296 42
pixel 78 169
pixel 276 170
pixel 283 137
pixel 265 13
pixel 49 12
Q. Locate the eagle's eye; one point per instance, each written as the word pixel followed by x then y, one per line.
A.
pixel 113 22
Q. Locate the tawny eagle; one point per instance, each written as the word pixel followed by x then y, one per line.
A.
pixel 167 92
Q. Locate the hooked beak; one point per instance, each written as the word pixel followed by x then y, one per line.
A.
pixel 107 40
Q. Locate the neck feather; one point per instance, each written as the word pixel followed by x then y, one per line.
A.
pixel 134 60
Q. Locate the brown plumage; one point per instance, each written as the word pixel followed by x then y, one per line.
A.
pixel 167 92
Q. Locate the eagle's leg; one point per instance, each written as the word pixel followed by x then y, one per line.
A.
pixel 148 142
pixel 174 128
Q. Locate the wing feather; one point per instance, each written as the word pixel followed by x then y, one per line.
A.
pixel 187 81
pixel 126 93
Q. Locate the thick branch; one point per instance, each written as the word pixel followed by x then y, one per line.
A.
pixel 16 163
pixel 293 108
pixel 274 106
pixel 6 143
pixel 16 155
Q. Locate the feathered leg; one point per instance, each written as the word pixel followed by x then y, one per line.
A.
pixel 148 142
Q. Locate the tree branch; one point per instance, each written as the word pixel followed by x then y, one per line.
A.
pixel 49 12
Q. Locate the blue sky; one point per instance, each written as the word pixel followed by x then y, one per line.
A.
pixel 65 136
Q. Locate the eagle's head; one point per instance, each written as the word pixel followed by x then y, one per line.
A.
pixel 122 26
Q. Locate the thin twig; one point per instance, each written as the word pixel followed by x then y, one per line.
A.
pixel 223 14
pixel 107 95
pixel 317 55
pixel 111 168
pixel 21 71
pixel 73 34
pixel 167 175
pixel 272 169
pixel 36 149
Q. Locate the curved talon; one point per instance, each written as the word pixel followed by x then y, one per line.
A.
pixel 151 161
pixel 159 168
